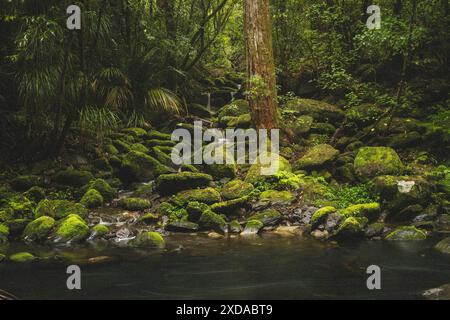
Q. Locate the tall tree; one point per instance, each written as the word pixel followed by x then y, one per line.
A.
pixel 261 82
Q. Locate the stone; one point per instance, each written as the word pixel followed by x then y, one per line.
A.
pixel 252 227
pixel 134 204
pixel 376 161
pixel 236 189
pixel 182 226
pixel 168 184
pixel 407 233
pixel 443 246
pixel 39 229
pixel 149 239
pixel 59 209
pixel 267 217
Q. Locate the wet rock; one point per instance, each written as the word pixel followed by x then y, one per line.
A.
pixel 39 229
pixel 374 230
pixel 443 245
pixel 320 216
pixel 235 227
pixel 317 157
pixel 148 240
pixel 409 213
pixel 182 226
pixel 212 221
pixel 195 210
pixel 407 233
pixel 267 217
pixel 252 227
pixel 104 188
pixel 99 231
pixel 377 161
pixel 149 218
pixel 288 231
pixel 168 184
pixel 440 293
pixel 22 257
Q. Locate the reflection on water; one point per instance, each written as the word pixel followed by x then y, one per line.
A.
pixel 195 267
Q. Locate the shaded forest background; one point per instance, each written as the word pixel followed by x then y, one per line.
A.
pixel 153 63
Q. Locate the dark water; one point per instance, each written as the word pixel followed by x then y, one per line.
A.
pixel 260 268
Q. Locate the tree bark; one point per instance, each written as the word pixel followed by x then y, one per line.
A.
pixel 261 81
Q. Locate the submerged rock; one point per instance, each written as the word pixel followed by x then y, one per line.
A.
pixel 377 161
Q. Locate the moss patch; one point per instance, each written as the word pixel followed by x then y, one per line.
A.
pixel 39 229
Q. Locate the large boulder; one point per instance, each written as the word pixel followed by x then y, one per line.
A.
pixel 319 110
pixel 316 157
pixel 235 109
pixel 376 161
pixel 138 166
pixel 168 184
pixel 407 233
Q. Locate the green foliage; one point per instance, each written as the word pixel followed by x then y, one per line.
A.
pixel 345 195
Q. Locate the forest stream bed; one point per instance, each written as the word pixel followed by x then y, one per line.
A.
pixel 258 267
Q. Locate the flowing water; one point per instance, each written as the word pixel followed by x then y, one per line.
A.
pixel 198 267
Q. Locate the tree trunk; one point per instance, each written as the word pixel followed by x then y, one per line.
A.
pixel 261 82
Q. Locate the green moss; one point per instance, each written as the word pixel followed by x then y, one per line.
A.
pixel 277 196
pixel 92 199
pixel 346 196
pixel 212 221
pixel 17 226
pixel 153 134
pixel 376 161
pixel 39 229
pixel 138 166
pixel 351 227
pixel 72 228
pixel 230 206
pixel 121 146
pixel 110 149
pixel 182 226
pixel 321 215
pixel 135 132
pixel 149 218
pixel 243 121
pixel 4 233
pixel 35 193
pixel 160 143
pixel 168 184
pixel 207 195
pixel 369 210
pixel 303 125
pixel 172 212
pixel 73 178
pixel 254 173
pixel 21 206
pixel 6 215
pixel 252 227
pixel 234 109
pixel 195 210
pixel 317 157
pixel 58 209
pixel 149 240
pixel 235 227
pixel 267 217
pixel 407 233
pixel 22 257
pixel 134 204
pixel 139 148
pixel 236 189
pixel 100 230
pixel 108 193
pixel 375 229
pixel 162 157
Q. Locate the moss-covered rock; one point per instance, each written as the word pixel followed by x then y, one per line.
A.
pixel 108 193
pixel 39 229
pixel 443 246
pixel 235 227
pixel 139 147
pixel 279 197
pixel 407 233
pixel 323 128
pixel 375 229
pixel 267 217
pixel 6 214
pixel 174 213
pixel 302 125
pixel 230 207
pixel 20 206
pixel 317 157
pixel 243 121
pixel 376 161
pixel 4 233
pixel 121 146
pixel 369 210
pixel 168 184
pixel 321 215
pixel 195 210
pixel 212 221
pixel 234 109
pixel 135 132
pixel 154 134
pixel 252 227
pixel 134 204
pixel 319 110
pixel 162 157
pixel 92 199
pixel 350 228
pixel 254 173
pixel 22 257
pixel 58 209
pixel 25 182
pixel 149 218
pixel 138 166
pixel 207 195
pixel 71 229
pixel 73 178
pixel 99 231
pixel 236 189
pixel 149 240
pixel 405 140
pixel 110 149
pixel 35 193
